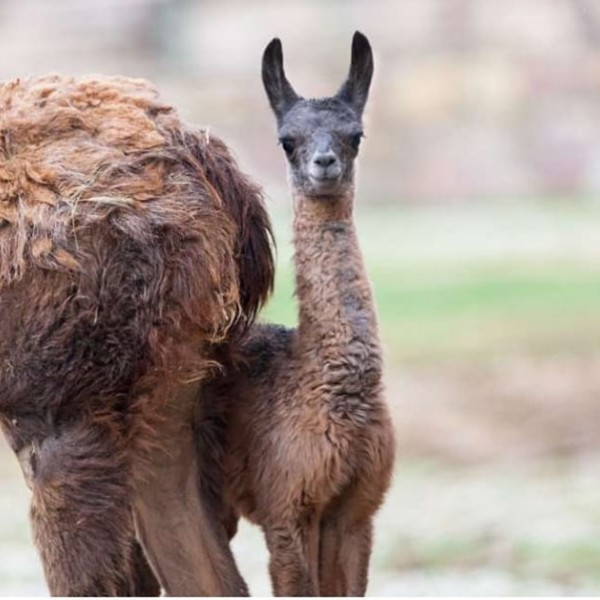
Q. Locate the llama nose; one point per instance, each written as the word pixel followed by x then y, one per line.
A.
pixel 325 159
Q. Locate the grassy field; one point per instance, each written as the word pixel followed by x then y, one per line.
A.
pixel 474 283
pixel 490 322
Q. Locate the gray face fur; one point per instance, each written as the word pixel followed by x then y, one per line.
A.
pixel 320 137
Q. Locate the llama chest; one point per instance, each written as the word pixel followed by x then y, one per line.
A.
pixel 344 363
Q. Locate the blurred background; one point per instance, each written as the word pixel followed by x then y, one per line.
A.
pixel 479 217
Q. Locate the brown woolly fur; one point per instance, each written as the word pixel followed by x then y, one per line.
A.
pixel 131 250
pixel 298 432
pixel 308 439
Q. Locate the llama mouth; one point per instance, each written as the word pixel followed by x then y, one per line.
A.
pixel 324 181
pixel 325 186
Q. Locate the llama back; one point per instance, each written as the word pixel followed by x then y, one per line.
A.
pixel 127 240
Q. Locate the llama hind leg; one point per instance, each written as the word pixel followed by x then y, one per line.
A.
pixel 80 509
pixel 143 580
pixel 185 543
pixel 139 579
pixel 179 526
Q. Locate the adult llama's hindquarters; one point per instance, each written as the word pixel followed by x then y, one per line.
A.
pixel 133 252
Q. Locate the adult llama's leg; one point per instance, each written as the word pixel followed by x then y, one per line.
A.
pixel 188 561
pixel 143 580
pixel 80 512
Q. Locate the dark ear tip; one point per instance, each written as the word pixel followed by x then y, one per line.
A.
pixel 360 40
pixel 273 47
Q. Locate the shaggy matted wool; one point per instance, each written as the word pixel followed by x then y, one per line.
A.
pixel 132 251
pixel 93 171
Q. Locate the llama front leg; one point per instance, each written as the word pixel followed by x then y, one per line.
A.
pixel 354 558
pixel 289 565
pixel 80 510
pixel 345 552
pixel 330 574
pixel 183 537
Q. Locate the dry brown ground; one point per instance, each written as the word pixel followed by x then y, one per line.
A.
pixel 514 409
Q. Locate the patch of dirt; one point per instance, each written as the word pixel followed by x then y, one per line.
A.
pixel 517 409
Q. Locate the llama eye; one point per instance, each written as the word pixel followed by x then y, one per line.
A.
pixel 355 140
pixel 288 144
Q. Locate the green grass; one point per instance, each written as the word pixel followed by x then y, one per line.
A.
pixel 569 561
pixel 530 521
pixel 471 304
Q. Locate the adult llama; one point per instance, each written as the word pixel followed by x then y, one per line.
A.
pixel 134 255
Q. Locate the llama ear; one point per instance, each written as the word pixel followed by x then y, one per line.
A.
pixel 279 90
pixel 355 89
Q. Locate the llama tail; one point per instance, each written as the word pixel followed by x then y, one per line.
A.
pixel 244 202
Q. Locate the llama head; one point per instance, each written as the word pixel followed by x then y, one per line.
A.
pixel 320 137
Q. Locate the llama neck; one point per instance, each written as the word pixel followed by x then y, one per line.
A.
pixel 335 301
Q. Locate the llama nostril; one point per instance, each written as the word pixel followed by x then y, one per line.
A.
pixel 325 160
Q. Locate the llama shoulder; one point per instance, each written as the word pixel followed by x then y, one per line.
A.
pixel 264 350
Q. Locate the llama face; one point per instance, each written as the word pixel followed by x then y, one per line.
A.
pixel 320 137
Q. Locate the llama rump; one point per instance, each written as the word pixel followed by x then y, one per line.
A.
pixel 133 256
